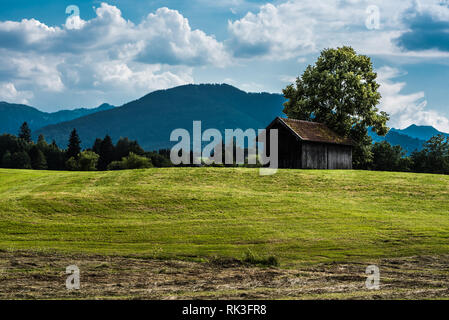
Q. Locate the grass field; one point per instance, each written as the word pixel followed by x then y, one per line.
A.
pixel 300 217
pixel 304 219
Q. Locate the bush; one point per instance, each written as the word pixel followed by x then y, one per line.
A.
pixel 159 160
pixel 20 160
pixel 71 164
pixel 116 165
pixel 7 160
pixel 133 161
pixel 87 161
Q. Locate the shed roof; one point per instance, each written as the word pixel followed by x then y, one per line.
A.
pixel 313 131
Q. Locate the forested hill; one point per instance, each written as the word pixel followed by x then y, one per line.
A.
pixel 13 115
pixel 152 118
pixel 410 139
pixel 420 132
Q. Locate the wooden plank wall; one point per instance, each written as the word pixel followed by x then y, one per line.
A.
pixel 339 157
pixel 326 156
pixel 289 149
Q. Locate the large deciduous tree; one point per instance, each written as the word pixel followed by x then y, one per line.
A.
pixel 341 91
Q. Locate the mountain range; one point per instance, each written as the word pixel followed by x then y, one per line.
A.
pixel 409 144
pixel 420 132
pixel 410 139
pixel 13 115
pixel 152 118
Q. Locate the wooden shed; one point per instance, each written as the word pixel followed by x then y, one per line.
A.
pixel 310 145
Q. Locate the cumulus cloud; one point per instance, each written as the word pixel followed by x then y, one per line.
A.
pixel 109 58
pixel 162 37
pixel 30 71
pixel 9 92
pixel 273 31
pixel 104 54
pixel 296 28
pixel 27 35
pixel 427 27
pixel 166 36
pixel 406 109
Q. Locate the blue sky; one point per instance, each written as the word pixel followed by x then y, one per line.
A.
pixel 116 51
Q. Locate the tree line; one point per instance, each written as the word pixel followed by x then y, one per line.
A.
pixel 20 152
pixel 432 158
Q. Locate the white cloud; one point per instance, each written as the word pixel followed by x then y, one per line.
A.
pixel 9 93
pixel 273 32
pixel 287 78
pixel 137 76
pixel 437 8
pixel 296 28
pixel 167 37
pixel 406 109
pixel 162 37
pixel 252 87
pixel 102 55
pixel 31 71
pixel 111 59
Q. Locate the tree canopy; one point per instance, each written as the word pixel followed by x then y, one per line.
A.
pixel 341 91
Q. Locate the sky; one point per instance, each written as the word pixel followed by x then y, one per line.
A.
pixel 58 54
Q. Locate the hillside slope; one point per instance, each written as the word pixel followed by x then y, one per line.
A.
pixel 395 138
pixel 410 139
pixel 152 118
pixel 298 216
pixel 13 115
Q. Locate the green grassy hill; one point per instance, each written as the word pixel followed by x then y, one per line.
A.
pixel 298 216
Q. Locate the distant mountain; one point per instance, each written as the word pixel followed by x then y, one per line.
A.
pixel 394 138
pixel 13 115
pixel 152 118
pixel 410 139
pixel 420 132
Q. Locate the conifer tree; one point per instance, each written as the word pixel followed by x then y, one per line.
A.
pixel 74 147
pixel 106 153
pixel 25 132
